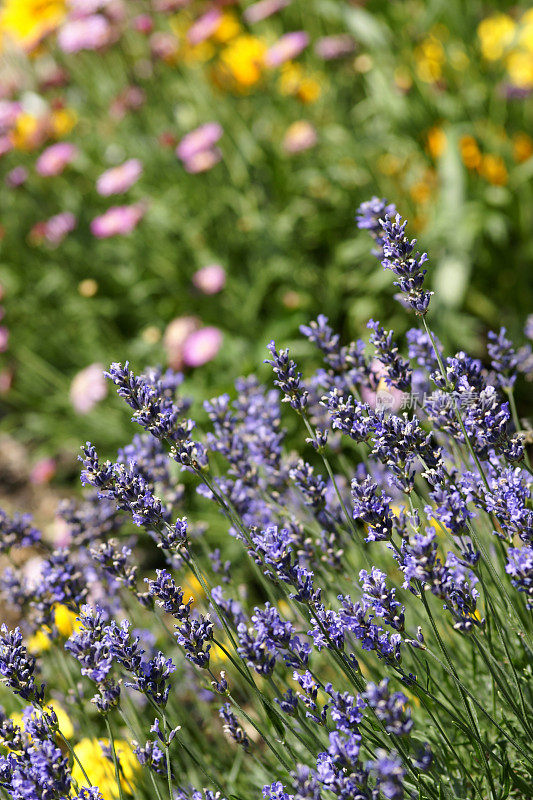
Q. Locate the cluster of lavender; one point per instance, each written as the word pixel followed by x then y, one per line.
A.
pixel 372 636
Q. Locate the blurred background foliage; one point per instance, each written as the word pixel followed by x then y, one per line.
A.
pixel 425 102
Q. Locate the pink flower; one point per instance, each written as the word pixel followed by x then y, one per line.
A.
pixel 6 380
pixel 202 346
pixel 6 145
pixel 57 227
pixel 55 158
pixel 43 471
pixel 210 279
pixel 4 338
pixel 117 221
pixel 86 33
pixel 143 23
pixel 385 398
pixel 286 48
pixel 88 388
pixel 119 179
pixel 16 177
pixel 175 336
pixel 263 9
pixel 202 138
pixel 299 136
pixel 330 47
pixel 9 112
pixel 204 26
pixel 203 161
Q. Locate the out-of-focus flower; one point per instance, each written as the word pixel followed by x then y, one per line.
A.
pixel 196 150
pixel 174 338
pixel 331 47
pixel 86 33
pixel 288 46
pixel 436 141
pixel 300 136
pixel 227 28
pixel 119 179
pixel 4 338
pixel 88 388
pixel 117 221
pixel 6 380
pixel 430 58
pixel 16 177
pixel 131 99
pixel 66 621
pixel 210 279
pixel 28 21
pixel 29 131
pixel 202 346
pixel 385 398
pixel 242 61
pixel 522 147
pixel 296 82
pixel 43 471
pixel 496 34
pixel 204 27
pixel 164 46
pixel 203 161
pixel 493 169
pixel 520 69
pixel 101 770
pixel 58 226
pixel 143 23
pixel 263 9
pixel 8 115
pixel 55 158
pixel 88 287
pixel 62 120
pixel 470 152
pixel 199 139
pixel 6 144
pixel 54 229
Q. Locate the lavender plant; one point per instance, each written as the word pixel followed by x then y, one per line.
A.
pixel 380 644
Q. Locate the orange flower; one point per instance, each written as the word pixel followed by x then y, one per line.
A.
pixel 493 169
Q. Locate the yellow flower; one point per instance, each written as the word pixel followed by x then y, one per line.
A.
pixel 496 34
pixel 470 152
pixel 522 147
pixel 62 121
pixel 294 81
pixel 26 131
pixel 100 770
pixel 420 192
pixel 429 58
pixel 436 141
pixel 66 620
pixel 242 60
pixel 493 169
pixel 520 68
pixel 39 642
pixel 192 589
pixel 228 28
pixel 27 21
pixel 63 719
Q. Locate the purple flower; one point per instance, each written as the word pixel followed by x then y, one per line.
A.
pixel 288 46
pixel 16 177
pixel 232 727
pixel 389 708
pixel 368 218
pixel 17 667
pixel 57 227
pixel 287 378
pixel 520 568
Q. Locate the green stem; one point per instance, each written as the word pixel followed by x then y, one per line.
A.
pixel 115 759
